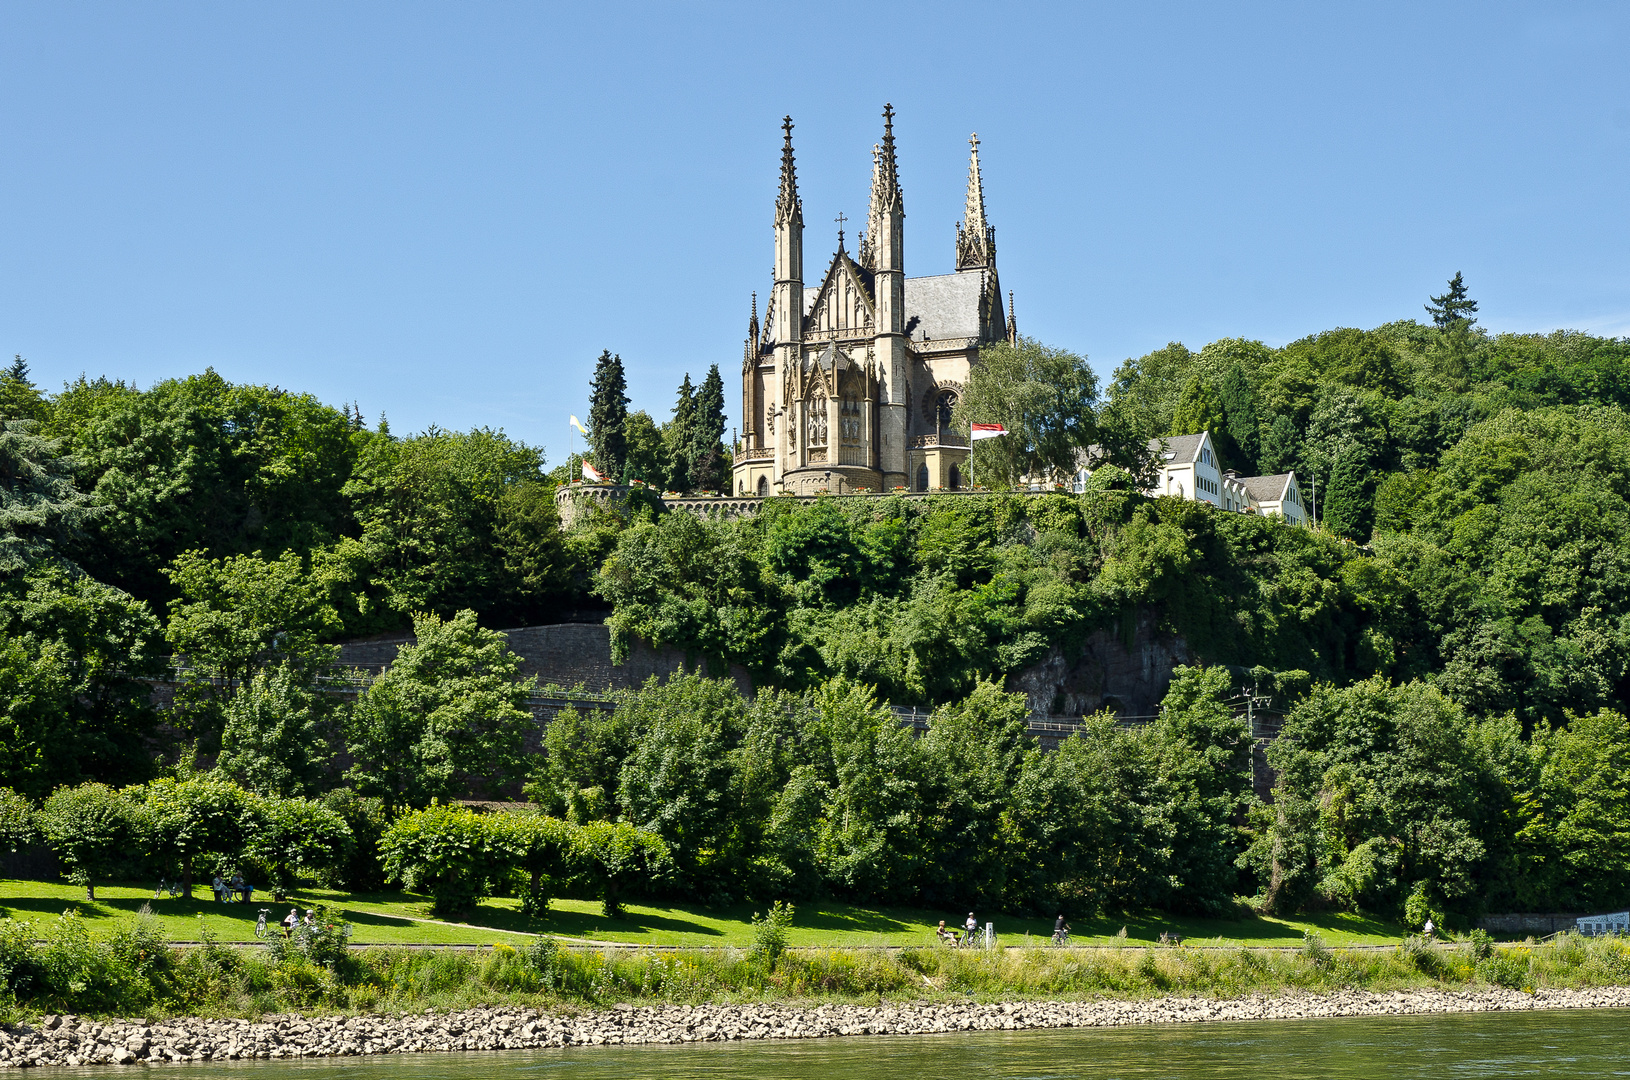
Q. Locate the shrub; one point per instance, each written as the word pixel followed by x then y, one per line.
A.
pixel 447 851
pixel 1509 968
pixel 1314 949
pixel 18 969
pixel 1479 945
pixel 770 932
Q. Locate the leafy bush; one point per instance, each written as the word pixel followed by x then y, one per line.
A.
pixel 447 851
pixel 1509 968
pixel 770 932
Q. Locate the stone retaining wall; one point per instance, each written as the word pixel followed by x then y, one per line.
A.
pixel 564 654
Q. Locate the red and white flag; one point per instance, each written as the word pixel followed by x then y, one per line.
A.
pixel 987 431
pixel 591 474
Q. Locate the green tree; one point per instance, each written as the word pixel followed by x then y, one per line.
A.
pixel 707 452
pixel 447 716
pixel 973 756
pixel 608 416
pixel 679 438
pixel 618 859
pixel 1383 791
pixel 202 464
pixel 277 739
pixel 1347 508
pixel 1453 306
pixel 1199 409
pixel 676 781
pixel 41 511
pixel 1242 427
pixel 201 823
pixel 18 828
pixel 74 654
pixel 456 520
pixel 1281 447
pixel 20 399
pixel 450 852
pixel 1044 397
pixel 647 459
pixel 295 836
pixel 1576 836
pixel 243 614
pixel 92 829
pixel 541 848
pixel 1204 750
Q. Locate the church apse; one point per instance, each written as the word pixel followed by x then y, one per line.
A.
pixel 849 385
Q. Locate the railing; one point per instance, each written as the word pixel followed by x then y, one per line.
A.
pixel 919 442
pixel 758 453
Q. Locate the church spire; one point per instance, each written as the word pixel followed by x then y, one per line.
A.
pixel 750 350
pixel 1012 323
pixel 786 307
pixel 975 239
pixel 789 208
pixel 874 217
pixel 886 176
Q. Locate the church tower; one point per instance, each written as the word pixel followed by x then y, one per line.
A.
pixel 890 349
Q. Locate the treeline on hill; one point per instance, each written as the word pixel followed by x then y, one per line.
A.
pixel 1452 645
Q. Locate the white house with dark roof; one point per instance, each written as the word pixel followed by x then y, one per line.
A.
pixel 1190 469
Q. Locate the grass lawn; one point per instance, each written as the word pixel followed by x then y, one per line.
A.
pixel 403 918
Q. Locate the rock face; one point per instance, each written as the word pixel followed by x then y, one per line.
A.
pixel 1105 673
pixel 68 1040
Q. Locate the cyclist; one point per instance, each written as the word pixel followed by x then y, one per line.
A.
pixel 1061 931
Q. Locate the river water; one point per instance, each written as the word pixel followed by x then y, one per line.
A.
pixel 1576 1043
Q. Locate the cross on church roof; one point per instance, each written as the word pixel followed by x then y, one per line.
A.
pixel 840 219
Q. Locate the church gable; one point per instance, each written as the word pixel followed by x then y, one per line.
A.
pixel 843 306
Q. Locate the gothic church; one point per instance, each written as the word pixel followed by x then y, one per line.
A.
pixel 849 386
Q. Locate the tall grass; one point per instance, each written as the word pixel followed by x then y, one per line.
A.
pixel 133 971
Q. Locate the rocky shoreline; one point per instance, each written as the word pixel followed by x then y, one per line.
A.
pixel 74 1041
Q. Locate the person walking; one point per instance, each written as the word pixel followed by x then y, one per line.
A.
pixel 972 926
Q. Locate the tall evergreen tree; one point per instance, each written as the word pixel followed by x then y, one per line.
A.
pixel 1348 506
pixel 1241 445
pixel 1453 307
pixel 678 439
pixel 707 434
pixel 1281 446
pixel 608 416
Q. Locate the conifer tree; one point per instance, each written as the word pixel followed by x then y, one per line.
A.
pixel 1281 446
pixel 1453 308
pixel 678 439
pixel 608 416
pixel 1347 507
pixel 1241 444
pixel 707 433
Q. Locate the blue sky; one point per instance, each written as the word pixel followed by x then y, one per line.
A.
pixel 445 211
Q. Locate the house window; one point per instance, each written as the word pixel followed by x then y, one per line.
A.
pixel 956 478
pixel 922 477
pixel 763 486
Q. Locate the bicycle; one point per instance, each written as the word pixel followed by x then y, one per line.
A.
pixel 260 923
pixel 171 887
pixel 1061 938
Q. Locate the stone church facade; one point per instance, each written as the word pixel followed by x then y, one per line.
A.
pixel 849 384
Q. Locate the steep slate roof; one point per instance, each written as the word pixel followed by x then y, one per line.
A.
pixel 1183 449
pixel 943 306
pixel 1267 488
